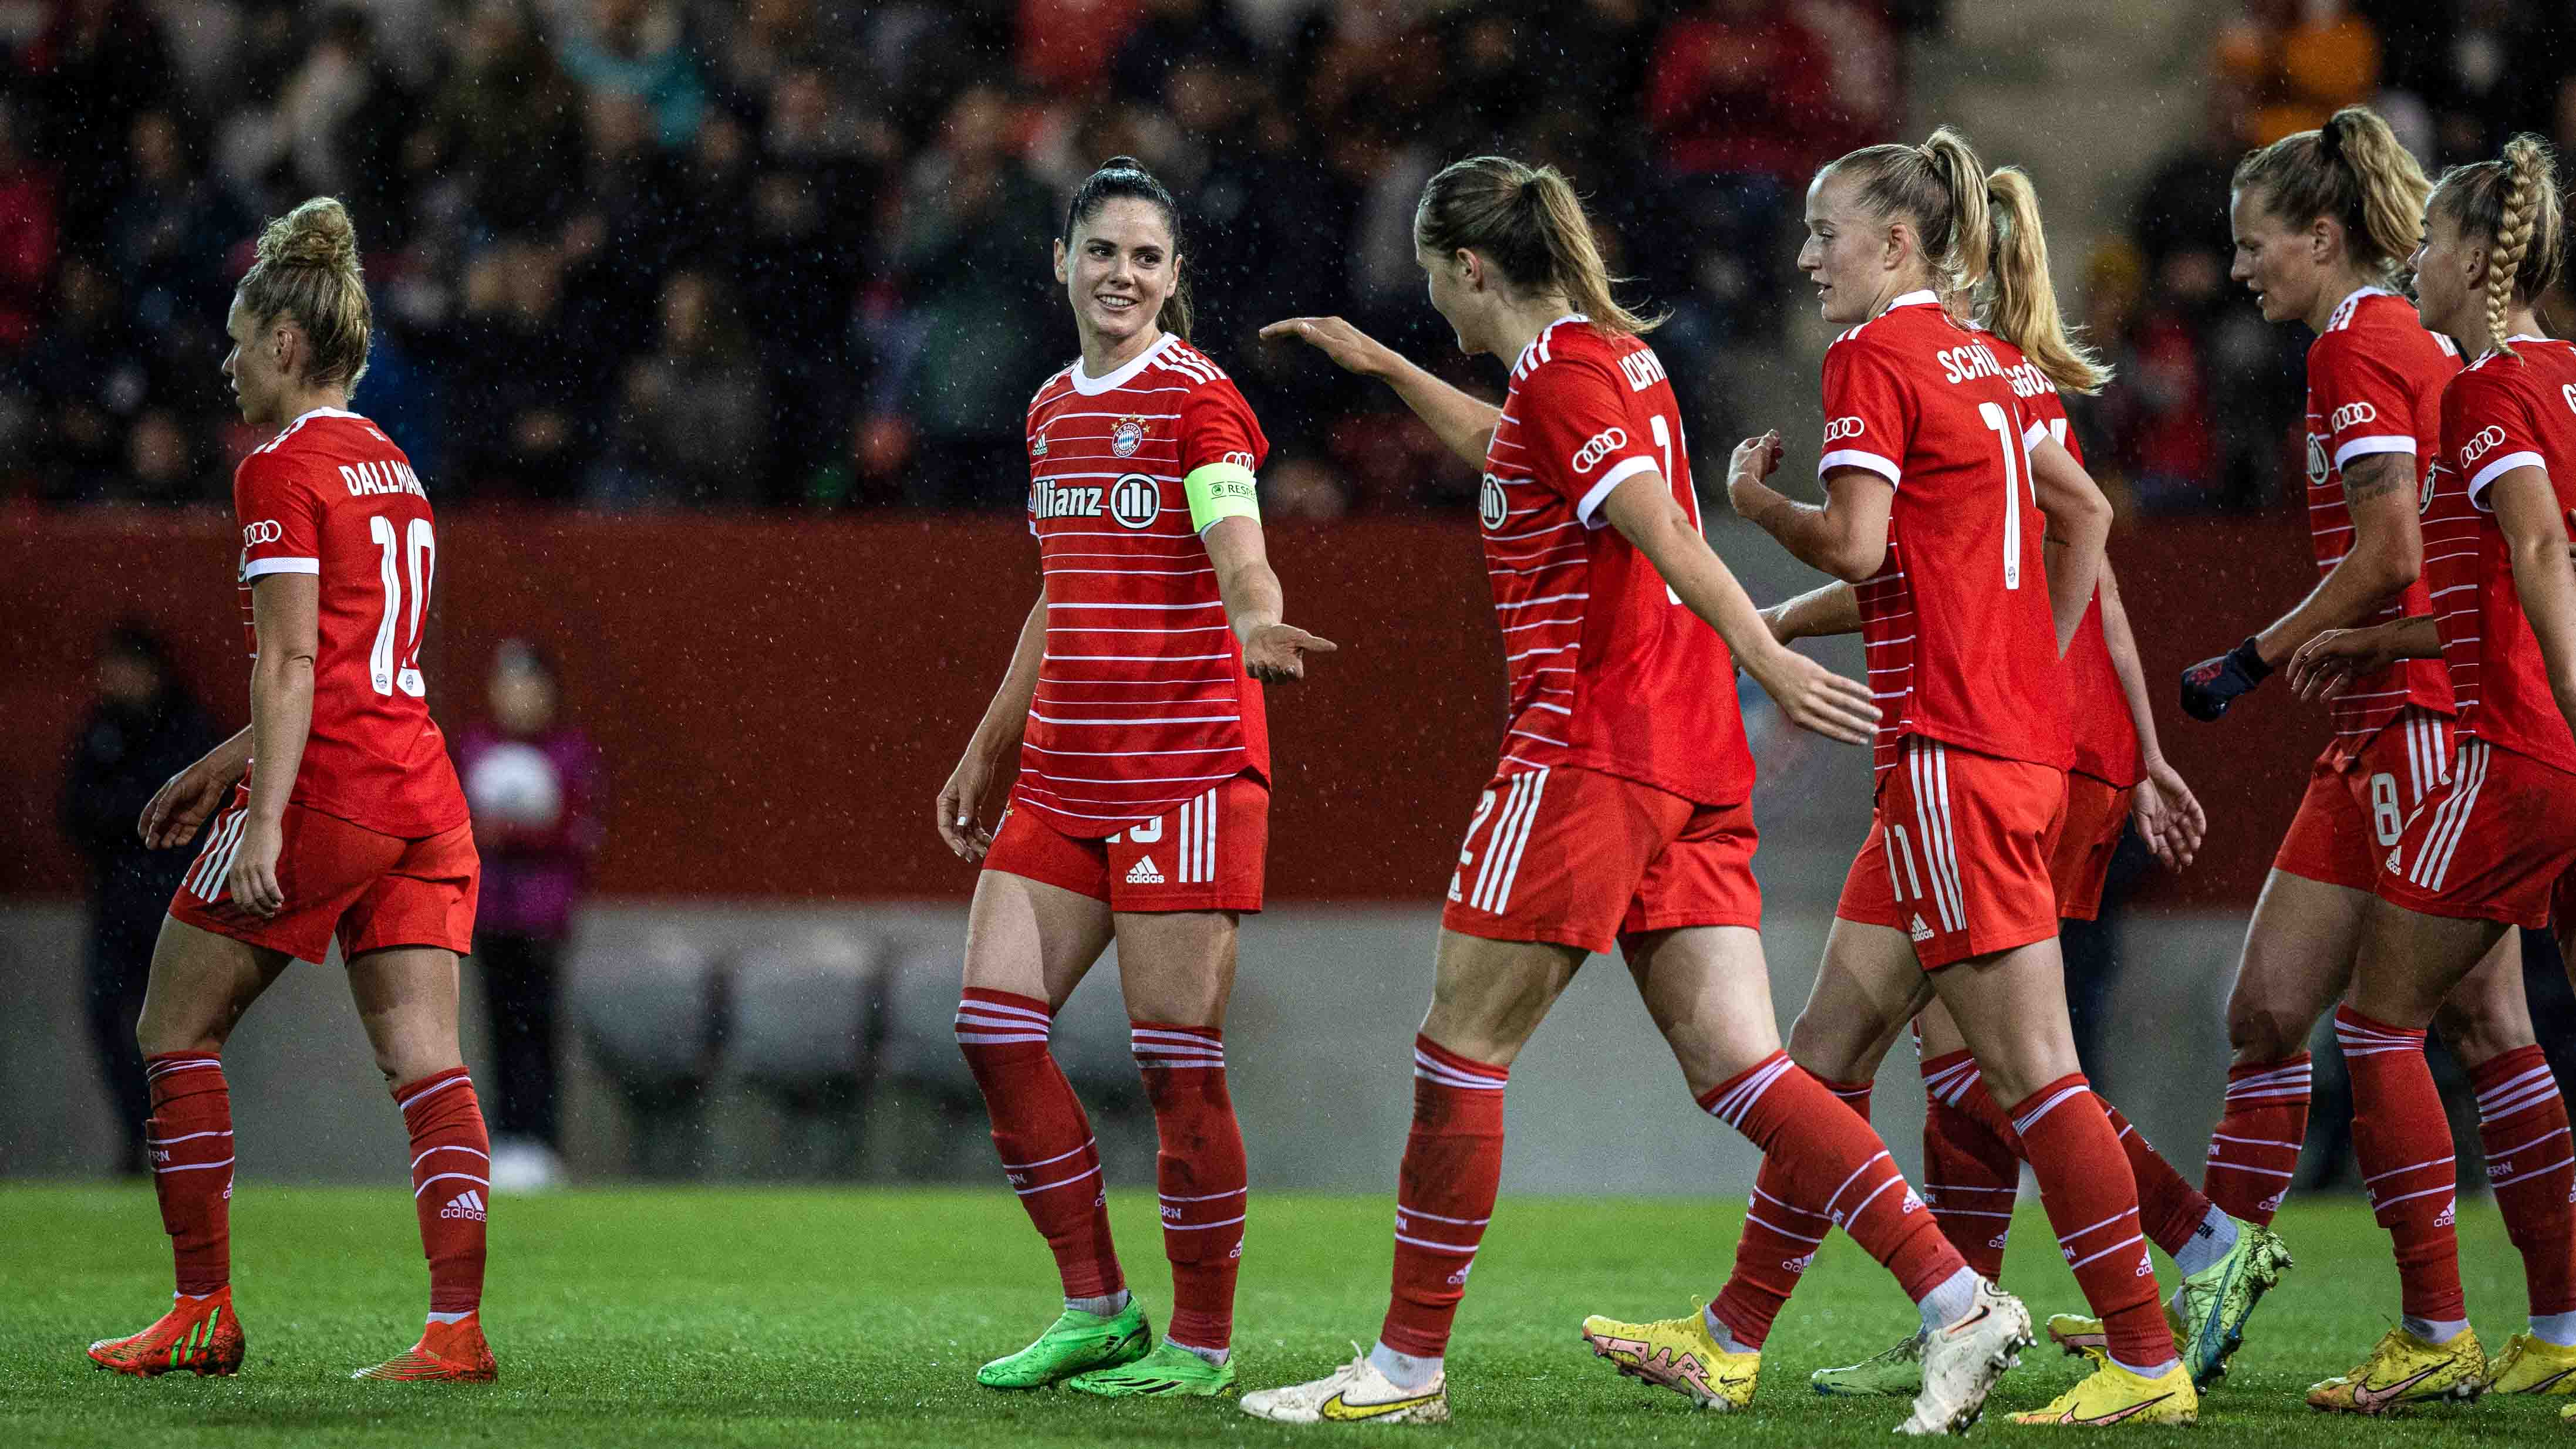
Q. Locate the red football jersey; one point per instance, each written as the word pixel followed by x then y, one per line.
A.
pixel 2374 386
pixel 2498 415
pixel 1608 671
pixel 2105 737
pixel 332 496
pixel 1142 699
pixel 1956 622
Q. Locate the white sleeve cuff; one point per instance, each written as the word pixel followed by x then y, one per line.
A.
pixel 1589 509
pixel 1855 458
pixel 2381 443
pixel 261 566
pixel 2034 435
pixel 2487 475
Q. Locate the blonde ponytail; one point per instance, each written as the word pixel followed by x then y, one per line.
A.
pixel 2512 205
pixel 2021 300
pixel 1528 222
pixel 1940 188
pixel 2354 169
pixel 307 270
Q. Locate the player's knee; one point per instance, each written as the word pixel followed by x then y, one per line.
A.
pixel 2475 1034
pixel 2259 1030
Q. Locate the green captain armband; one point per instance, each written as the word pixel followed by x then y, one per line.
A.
pixel 1220 490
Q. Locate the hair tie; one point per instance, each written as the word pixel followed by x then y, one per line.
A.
pixel 2330 140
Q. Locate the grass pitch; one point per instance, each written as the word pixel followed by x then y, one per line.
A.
pixel 732 1317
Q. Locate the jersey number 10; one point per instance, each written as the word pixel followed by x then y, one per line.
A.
pixel 415 553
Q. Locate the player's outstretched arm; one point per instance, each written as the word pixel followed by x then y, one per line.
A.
pixel 2169 816
pixel 1273 652
pixel 1464 424
pixel 2079 530
pixel 2387 554
pixel 960 816
pixel 2327 665
pixel 2527 511
pixel 285 611
pixel 183 802
pixel 1846 538
pixel 1812 696
pixel 1833 609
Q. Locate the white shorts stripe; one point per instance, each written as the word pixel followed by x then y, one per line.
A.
pixel 1520 841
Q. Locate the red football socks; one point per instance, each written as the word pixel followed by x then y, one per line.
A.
pixel 451 1170
pixel 1444 1195
pixel 1199 1172
pixel 1971 1173
pixel 2092 1203
pixel 2403 1144
pixel 1782 1230
pixel 190 1138
pixel 1835 1165
pixel 1043 1137
pixel 2522 1123
pixel 2254 1149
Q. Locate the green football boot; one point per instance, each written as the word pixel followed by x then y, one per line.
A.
pixel 2209 1313
pixel 1073 1344
pixel 1167 1370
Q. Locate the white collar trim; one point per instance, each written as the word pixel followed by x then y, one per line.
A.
pixel 1922 297
pixel 1090 386
pixel 2517 337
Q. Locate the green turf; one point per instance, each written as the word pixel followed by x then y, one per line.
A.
pixel 794 1318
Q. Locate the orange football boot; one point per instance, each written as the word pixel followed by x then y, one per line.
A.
pixel 447 1352
pixel 201 1335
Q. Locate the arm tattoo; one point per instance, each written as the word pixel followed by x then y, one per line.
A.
pixel 2375 474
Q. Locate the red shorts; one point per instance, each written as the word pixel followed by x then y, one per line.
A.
pixel 2079 853
pixel 2492 843
pixel 372 891
pixel 2355 811
pixel 1206 854
pixel 1958 853
pixel 1585 859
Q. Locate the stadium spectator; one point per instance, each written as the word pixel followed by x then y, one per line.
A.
pixel 28 226
pixel 694 424
pixel 95 66
pixel 144 728
pixel 639 49
pixel 535 784
pixel 505 128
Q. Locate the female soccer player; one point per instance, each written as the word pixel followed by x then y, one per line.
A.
pixel 1929 515
pixel 1972 1157
pixel 1618 813
pixel 348 825
pixel 2490 847
pixel 2323 221
pixel 1141 813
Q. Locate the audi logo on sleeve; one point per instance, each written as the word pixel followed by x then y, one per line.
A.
pixel 2484 443
pixel 264 531
pixel 1135 501
pixel 1842 428
pixel 1601 445
pixel 2351 414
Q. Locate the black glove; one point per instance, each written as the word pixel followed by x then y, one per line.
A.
pixel 2210 686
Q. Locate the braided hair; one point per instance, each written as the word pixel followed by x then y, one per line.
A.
pixel 2512 205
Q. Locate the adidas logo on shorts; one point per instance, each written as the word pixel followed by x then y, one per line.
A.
pixel 1921 931
pixel 1144 872
pixel 466 1204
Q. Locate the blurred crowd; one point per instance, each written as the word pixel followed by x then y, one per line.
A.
pixel 640 253
pixel 649 253
pixel 2206 411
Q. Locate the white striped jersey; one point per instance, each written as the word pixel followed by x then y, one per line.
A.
pixel 1142 700
pixel 2498 416
pixel 1608 671
pixel 2375 381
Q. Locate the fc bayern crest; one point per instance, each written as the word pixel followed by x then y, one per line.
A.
pixel 1125 438
pixel 1489 502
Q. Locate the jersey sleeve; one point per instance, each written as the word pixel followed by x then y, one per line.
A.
pixel 2368 406
pixel 1868 421
pixel 1573 417
pixel 1222 449
pixel 280 516
pixel 2493 425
